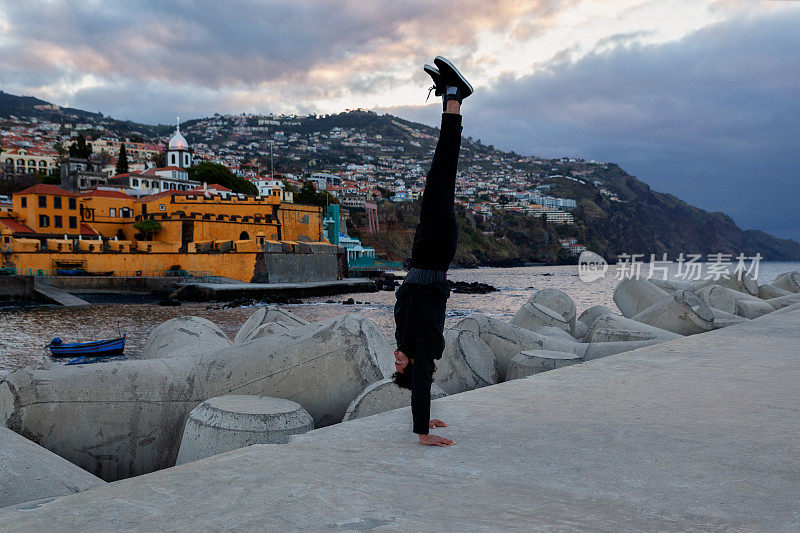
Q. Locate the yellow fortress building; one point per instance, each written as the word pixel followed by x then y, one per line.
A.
pixel 52 231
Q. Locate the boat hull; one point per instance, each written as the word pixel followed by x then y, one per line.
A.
pixel 94 349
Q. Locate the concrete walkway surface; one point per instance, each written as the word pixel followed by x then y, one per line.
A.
pixel 58 296
pixel 699 433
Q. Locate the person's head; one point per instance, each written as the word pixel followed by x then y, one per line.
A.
pixel 402 367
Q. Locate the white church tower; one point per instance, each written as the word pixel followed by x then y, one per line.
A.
pixel 178 154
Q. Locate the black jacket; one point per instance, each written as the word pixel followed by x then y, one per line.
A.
pixel 419 315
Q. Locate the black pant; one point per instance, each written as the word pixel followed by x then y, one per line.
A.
pixel 421 301
pixel 437 234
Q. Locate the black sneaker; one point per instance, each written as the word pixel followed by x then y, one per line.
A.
pixel 433 72
pixel 456 86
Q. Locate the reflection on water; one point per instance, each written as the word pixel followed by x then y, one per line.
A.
pixel 25 331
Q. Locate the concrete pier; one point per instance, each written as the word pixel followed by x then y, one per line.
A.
pixel 229 291
pixel 56 295
pixel 698 433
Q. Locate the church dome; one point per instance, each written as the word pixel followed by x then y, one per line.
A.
pixel 178 142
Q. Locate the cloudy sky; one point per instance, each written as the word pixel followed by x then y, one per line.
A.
pixel 699 99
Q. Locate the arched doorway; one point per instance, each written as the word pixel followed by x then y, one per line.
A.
pixel 244 236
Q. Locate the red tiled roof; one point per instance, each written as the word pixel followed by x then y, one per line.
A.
pixel 212 186
pixel 86 230
pixel 107 194
pixel 42 188
pixel 13 225
pixel 152 171
pixel 163 194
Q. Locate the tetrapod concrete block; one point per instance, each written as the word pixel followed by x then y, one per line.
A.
pixel 596 350
pixel 788 309
pixel 265 315
pixel 634 295
pixel 788 281
pixel 186 335
pixel 672 285
pixel 467 363
pixel 767 291
pixel 622 324
pixel 230 422
pixel 682 312
pixel 557 333
pixel 382 396
pixel 579 331
pixel 737 280
pixel 620 335
pixel 753 308
pixel 558 301
pixel 723 319
pixel 506 340
pixel 590 316
pixel 270 328
pixel 532 316
pixel 533 362
pixel 718 297
pixel 783 301
pixel 130 414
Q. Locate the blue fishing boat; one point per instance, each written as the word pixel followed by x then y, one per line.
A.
pixel 103 348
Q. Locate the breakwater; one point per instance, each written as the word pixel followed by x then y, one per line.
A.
pixel 591 429
pixel 26 330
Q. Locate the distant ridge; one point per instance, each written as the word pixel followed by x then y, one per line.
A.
pixel 30 106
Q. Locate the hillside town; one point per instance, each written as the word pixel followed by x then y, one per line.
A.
pixel 357 157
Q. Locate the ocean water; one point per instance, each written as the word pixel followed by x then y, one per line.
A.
pixel 25 331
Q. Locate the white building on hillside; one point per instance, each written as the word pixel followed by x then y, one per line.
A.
pixel 178 153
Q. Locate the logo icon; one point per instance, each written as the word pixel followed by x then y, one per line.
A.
pixel 591 266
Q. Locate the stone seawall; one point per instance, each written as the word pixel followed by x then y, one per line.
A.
pixel 300 267
pixel 16 288
pixel 114 283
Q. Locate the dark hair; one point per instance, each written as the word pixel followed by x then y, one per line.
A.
pixel 403 379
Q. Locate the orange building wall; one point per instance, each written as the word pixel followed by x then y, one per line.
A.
pixel 236 265
pixel 103 212
pixel 211 230
pixel 29 215
pixel 301 222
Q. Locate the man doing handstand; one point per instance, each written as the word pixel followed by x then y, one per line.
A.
pixel 422 299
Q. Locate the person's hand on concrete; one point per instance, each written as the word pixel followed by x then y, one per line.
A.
pixel 436 423
pixel 435 440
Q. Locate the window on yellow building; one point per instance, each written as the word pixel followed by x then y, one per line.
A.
pixel 73 222
pixel 73 204
pixel 43 201
pixel 162 207
pixel 57 202
pixel 112 212
pixel 23 202
pixel 57 222
pixel 44 221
